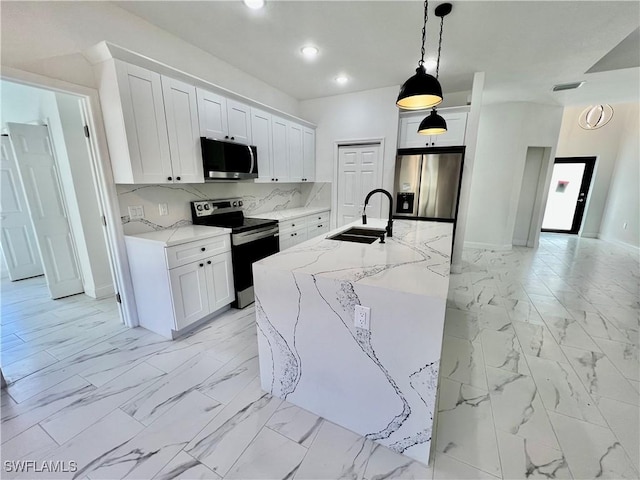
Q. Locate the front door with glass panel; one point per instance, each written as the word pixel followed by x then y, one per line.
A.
pixel 566 202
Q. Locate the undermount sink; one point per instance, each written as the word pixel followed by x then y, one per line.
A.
pixel 359 235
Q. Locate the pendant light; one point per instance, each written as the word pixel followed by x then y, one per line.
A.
pixel 422 90
pixel 434 124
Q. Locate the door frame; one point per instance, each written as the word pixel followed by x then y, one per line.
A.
pixel 336 164
pixel 103 177
pixel 585 186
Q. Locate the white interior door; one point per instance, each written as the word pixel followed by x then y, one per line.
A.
pixel 33 151
pixel 358 174
pixel 17 238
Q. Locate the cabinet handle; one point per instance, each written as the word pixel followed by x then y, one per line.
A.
pixel 208 262
pixel 319 226
pixel 226 136
pixel 233 138
pixel 169 178
pixel 276 179
pixel 202 264
pixel 273 179
pixel 203 249
pixel 433 143
pixel 178 178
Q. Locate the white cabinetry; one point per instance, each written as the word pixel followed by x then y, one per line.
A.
pixel 300 229
pixel 296 155
pixel 151 125
pixel 262 139
pixel 176 286
pixel 308 155
pixel 280 162
pixel 410 138
pixel 222 118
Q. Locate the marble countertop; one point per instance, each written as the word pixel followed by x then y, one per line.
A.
pixel 179 235
pixel 290 213
pixel 415 260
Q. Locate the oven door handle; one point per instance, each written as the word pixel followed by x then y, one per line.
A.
pixel 246 237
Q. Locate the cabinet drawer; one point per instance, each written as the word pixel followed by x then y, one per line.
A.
pixel 317 218
pixel 286 226
pixel 193 251
pixel 297 235
pixel 318 229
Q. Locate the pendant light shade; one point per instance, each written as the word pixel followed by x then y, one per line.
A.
pixel 434 124
pixel 420 91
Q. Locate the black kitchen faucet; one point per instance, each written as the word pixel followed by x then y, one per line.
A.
pixel 366 201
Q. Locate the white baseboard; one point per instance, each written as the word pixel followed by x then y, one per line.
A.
pixel 626 246
pixel 589 234
pixel 488 246
pixel 100 292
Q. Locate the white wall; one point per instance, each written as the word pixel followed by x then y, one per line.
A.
pixel 505 133
pixel 528 195
pixel 623 202
pixel 354 116
pixel 602 143
pixel 48 38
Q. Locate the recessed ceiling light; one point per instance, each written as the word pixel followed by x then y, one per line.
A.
pixel 309 51
pixel 342 79
pixel 254 4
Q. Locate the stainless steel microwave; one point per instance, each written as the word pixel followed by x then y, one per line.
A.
pixel 228 160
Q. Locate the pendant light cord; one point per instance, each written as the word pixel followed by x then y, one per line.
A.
pixel 424 32
pixel 439 47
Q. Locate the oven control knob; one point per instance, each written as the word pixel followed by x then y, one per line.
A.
pixel 240 203
pixel 235 204
pixel 199 207
pixel 206 206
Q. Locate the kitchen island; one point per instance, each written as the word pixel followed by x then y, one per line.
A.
pixel 379 382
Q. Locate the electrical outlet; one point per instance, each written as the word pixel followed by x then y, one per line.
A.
pixel 624 226
pixel 362 317
pixel 136 212
pixel 163 208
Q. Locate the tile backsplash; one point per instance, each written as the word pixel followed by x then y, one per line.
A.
pixel 258 198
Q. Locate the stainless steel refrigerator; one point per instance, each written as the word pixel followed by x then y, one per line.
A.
pixel 427 183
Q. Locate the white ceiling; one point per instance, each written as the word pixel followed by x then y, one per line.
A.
pixel 524 47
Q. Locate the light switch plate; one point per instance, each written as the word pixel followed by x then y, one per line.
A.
pixel 362 317
pixel 136 212
pixel 163 209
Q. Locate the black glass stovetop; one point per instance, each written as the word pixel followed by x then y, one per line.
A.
pixel 236 221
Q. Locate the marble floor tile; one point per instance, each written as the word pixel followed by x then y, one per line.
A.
pixel 600 377
pixel 174 356
pixel 31 444
pixel 623 419
pixel 447 468
pixel 148 452
pixel 335 453
pixel 461 324
pixel 232 377
pixel 523 458
pixel 596 325
pixel 87 410
pixel 387 464
pixel 502 350
pixel 624 356
pixel 463 361
pixel 269 455
pixel 592 451
pixel 185 467
pixel 636 384
pixel 624 319
pixel 465 426
pixel 537 341
pixel 567 331
pixel 295 423
pixel 562 392
pixel 517 407
pixel 549 306
pixel 224 439
pixel 522 311
pixel 15 371
pixel 156 399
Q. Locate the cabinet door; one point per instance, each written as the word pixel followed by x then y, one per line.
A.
pixel 220 281
pixel 309 155
pixel 296 152
pixel 280 131
pixel 456 127
pixel 409 136
pixel 189 293
pixel 181 110
pixel 145 123
pixel 239 122
pixel 261 138
pixel 212 113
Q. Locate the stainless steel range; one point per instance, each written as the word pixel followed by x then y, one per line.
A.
pixel 252 239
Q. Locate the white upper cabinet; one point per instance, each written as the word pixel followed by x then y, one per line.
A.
pixel 212 112
pixel 296 152
pixel 239 121
pixel 182 126
pixel 262 138
pixel 280 142
pixel 222 118
pixel 139 93
pixel 410 138
pixel 308 154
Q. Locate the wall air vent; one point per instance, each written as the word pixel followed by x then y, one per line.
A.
pixel 566 86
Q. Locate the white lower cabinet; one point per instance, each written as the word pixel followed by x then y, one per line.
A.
pixel 176 286
pixel 300 229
